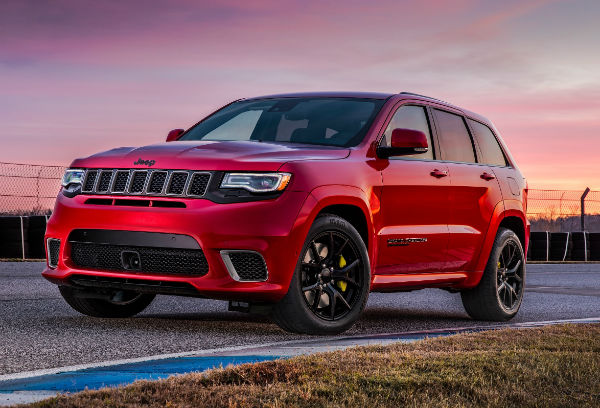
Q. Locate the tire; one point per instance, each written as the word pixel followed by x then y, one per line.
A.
pixel 499 294
pixel 327 300
pixel 133 304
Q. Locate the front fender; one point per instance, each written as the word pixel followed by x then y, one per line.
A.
pixel 329 195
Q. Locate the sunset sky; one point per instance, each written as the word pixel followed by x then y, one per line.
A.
pixel 77 77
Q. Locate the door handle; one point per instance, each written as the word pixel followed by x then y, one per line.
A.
pixel 487 176
pixel 438 173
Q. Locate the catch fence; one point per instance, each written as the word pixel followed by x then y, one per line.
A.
pixel 29 189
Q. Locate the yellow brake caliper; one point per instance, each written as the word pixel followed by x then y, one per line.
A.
pixel 341 284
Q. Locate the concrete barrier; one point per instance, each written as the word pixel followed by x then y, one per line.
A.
pixel 580 250
pixel 560 246
pixel 22 237
pixel 539 246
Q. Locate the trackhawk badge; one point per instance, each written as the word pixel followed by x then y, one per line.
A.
pixel 404 241
pixel 148 163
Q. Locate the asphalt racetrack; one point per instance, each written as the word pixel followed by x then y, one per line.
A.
pixel 38 330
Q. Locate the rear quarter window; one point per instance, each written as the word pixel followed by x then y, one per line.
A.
pixel 491 151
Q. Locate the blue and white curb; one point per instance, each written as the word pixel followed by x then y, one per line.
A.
pixel 36 385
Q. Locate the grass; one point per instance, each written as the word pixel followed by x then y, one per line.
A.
pixel 553 366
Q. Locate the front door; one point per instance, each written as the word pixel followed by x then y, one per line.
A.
pixel 414 204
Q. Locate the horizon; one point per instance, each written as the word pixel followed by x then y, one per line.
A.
pixel 82 77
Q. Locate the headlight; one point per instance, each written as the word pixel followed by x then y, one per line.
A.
pixel 72 176
pixel 257 182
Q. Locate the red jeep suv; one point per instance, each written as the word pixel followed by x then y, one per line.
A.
pixel 298 206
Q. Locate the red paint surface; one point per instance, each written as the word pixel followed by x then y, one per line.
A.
pixel 458 214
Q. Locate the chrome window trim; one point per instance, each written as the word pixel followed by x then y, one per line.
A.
pixel 231 269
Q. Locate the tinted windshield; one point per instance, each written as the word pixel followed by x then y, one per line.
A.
pixel 322 121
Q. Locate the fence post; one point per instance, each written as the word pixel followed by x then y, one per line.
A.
pixel 585 193
pixel 37 182
pixel 22 238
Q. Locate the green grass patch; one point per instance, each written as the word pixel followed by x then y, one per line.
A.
pixel 553 366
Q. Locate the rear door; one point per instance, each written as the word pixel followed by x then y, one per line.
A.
pixel 511 182
pixel 474 190
pixel 414 203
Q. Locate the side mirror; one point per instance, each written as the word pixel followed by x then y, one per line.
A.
pixel 404 142
pixel 174 134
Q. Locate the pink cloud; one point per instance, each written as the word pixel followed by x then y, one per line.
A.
pixel 78 77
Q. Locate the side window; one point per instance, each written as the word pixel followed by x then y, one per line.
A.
pixel 490 149
pixel 410 117
pixel 455 142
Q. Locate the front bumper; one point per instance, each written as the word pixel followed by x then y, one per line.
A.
pixel 272 228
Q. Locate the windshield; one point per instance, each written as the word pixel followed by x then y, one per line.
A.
pixel 321 121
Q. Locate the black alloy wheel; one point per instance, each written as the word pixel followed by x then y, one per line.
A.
pixel 499 294
pixel 331 280
pixel 510 275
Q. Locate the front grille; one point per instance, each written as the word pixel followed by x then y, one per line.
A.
pixel 104 182
pixel 198 184
pixel 163 261
pixel 157 181
pixel 246 265
pixel 138 181
pixel 90 180
pixel 53 249
pixel 177 183
pixel 181 183
pixel 121 181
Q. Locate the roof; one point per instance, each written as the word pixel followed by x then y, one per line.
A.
pixel 366 95
pixel 370 95
pixel 466 112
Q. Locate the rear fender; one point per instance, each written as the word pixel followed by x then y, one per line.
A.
pixel 500 213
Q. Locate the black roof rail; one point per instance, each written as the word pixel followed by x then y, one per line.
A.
pixel 424 96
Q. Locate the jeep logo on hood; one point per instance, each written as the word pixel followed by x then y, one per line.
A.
pixel 148 163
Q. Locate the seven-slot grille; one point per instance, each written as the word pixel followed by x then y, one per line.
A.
pixel 180 183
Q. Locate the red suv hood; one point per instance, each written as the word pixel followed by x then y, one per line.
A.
pixel 194 155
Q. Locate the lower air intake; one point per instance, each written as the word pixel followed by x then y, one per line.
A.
pixel 150 260
pixel 245 266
